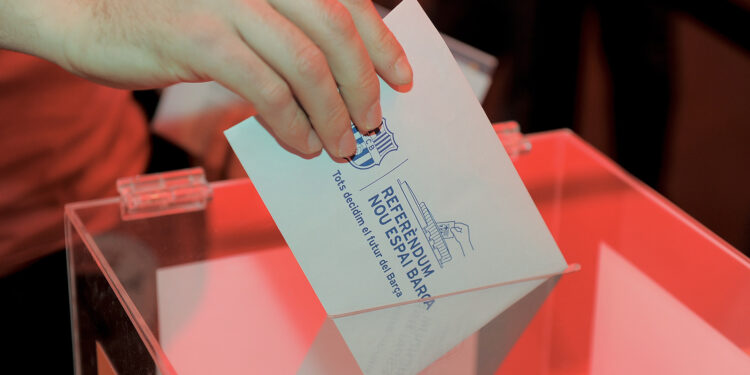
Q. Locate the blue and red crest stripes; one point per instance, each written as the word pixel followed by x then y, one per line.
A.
pixel 372 148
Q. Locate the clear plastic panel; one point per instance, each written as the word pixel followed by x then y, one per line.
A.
pixel 218 291
pixel 592 208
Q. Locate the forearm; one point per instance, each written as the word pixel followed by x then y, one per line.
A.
pixel 36 27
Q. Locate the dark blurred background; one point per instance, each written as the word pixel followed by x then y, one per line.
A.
pixel 662 87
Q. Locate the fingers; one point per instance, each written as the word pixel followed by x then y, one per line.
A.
pixel 303 65
pixel 385 52
pixel 330 26
pixel 324 54
pixel 231 63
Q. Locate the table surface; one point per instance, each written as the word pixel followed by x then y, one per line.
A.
pixel 218 290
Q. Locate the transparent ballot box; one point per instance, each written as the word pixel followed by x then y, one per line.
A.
pixel 178 276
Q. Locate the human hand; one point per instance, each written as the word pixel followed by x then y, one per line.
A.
pixel 307 66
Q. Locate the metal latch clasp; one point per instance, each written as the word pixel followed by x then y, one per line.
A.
pixel 165 193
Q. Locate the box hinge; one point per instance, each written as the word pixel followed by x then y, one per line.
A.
pixel 513 140
pixel 165 193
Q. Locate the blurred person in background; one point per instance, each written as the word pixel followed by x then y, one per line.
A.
pixel 307 67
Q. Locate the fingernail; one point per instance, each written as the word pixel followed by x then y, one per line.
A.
pixel 313 142
pixel 403 70
pixel 374 117
pixel 346 144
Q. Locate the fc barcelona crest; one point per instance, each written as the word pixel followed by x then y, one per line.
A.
pixel 372 148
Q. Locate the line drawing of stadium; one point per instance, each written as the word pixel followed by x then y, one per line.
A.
pixel 446 238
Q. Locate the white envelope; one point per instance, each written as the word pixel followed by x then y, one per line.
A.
pixel 431 205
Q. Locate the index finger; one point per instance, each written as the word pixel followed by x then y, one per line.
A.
pixel 385 51
pixel 330 26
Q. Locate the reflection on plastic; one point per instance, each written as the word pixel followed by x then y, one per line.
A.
pixel 405 339
pixel 639 328
pixel 247 314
